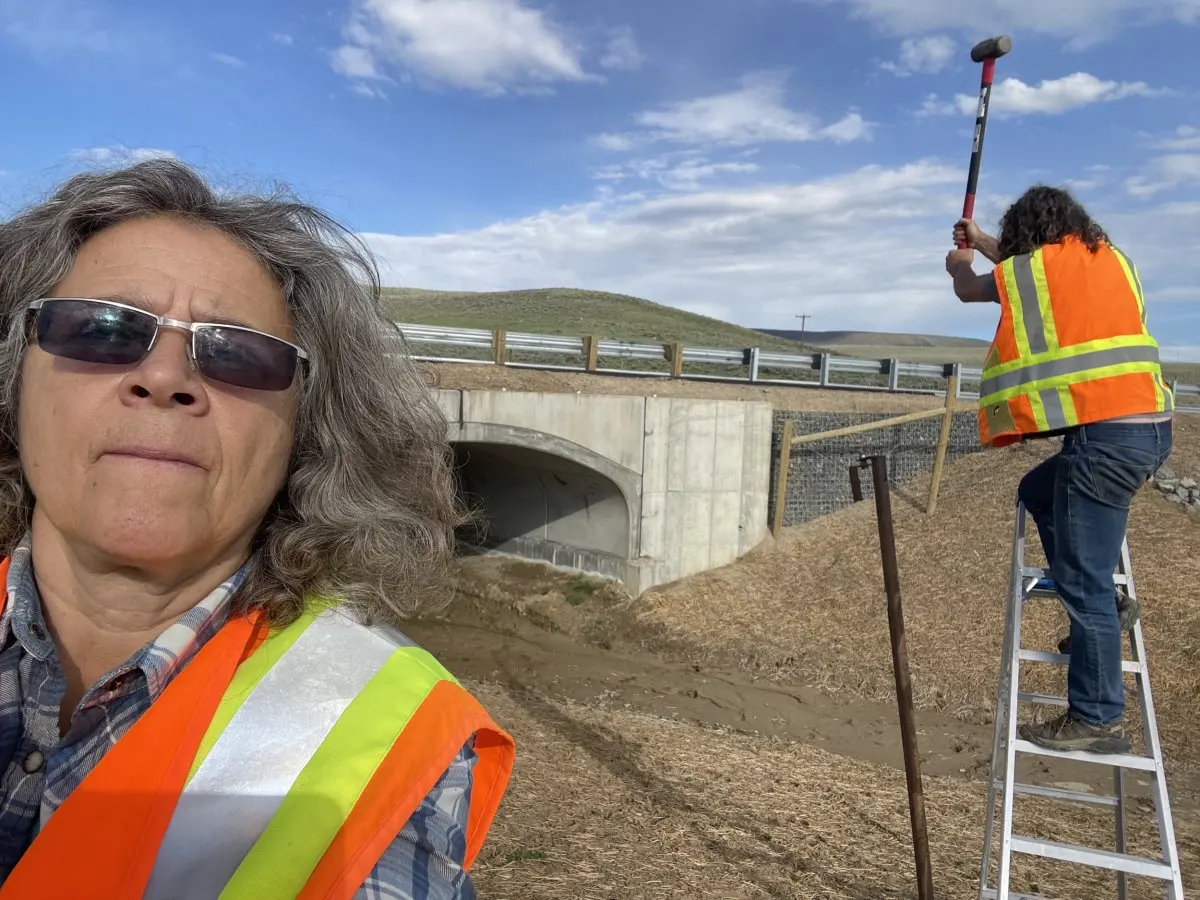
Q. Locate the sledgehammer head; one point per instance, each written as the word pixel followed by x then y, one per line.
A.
pixel 992 48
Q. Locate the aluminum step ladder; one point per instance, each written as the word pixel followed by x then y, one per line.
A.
pixel 1029 583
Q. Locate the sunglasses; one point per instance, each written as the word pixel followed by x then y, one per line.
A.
pixel 109 333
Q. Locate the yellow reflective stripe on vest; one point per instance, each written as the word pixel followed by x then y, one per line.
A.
pixel 269 753
pixel 1029 303
pixel 323 796
pixel 1130 355
pixel 1135 283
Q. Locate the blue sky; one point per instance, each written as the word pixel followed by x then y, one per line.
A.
pixel 747 159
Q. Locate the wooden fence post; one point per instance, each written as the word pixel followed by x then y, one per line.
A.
pixel 781 482
pixel 943 443
pixel 675 355
pixel 499 350
pixel 591 352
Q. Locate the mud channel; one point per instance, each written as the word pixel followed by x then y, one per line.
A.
pixel 563 636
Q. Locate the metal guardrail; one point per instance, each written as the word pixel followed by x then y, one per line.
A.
pixel 756 362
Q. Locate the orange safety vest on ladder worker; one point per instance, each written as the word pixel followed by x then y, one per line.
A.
pixel 1072 346
pixel 279 763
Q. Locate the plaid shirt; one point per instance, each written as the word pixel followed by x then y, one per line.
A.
pixel 40 768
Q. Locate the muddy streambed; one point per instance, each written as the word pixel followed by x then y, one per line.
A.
pixel 534 628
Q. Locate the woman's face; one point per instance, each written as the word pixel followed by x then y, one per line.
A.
pixel 89 433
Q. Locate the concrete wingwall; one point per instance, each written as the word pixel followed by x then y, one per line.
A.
pixel 643 489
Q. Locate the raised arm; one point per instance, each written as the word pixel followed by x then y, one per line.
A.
pixel 969 287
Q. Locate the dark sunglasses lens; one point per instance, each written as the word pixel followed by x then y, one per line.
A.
pixel 94 332
pixel 245 358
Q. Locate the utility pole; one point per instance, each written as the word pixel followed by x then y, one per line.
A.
pixel 803 321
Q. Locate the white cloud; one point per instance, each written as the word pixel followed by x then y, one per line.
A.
pixel 489 46
pixel 923 55
pixel 687 171
pixel 623 51
pixel 743 254
pixel 1083 21
pixel 1186 138
pixel 1053 96
pixel 58 27
pixel 226 60
pixel 281 37
pixel 355 62
pixel 1166 173
pixel 118 156
pixel 754 113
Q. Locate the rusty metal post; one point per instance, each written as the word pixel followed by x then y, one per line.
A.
pixel 856 483
pixel 904 697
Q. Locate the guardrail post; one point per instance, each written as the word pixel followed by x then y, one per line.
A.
pixel 675 355
pixel 754 364
pixel 499 348
pixel 824 378
pixel 893 374
pixel 591 352
pixel 956 380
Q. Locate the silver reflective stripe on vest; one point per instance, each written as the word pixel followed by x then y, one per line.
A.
pixel 1068 365
pixel 1056 417
pixel 1031 310
pixel 254 763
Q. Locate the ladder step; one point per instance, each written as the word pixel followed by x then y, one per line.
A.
pixel 1039 574
pixel 1061 659
pixel 1115 760
pixel 1043 699
pixel 1101 859
pixel 1050 793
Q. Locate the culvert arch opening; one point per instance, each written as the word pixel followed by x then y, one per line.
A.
pixel 542 506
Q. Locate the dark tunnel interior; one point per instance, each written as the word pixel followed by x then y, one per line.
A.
pixel 541 506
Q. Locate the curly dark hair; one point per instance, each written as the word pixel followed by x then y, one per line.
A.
pixel 1046 215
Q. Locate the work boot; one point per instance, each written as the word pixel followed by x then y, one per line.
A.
pixel 1069 733
pixel 1128 612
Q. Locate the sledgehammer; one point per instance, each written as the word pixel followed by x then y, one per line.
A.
pixel 986 52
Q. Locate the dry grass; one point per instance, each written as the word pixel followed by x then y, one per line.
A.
pixel 615 805
pixel 812 608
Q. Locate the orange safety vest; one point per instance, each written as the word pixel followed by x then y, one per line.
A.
pixel 1072 346
pixel 279 763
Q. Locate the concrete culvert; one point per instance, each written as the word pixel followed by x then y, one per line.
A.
pixel 541 506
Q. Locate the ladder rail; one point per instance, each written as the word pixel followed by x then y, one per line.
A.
pixel 1013 683
pixel 1002 691
pixel 1162 805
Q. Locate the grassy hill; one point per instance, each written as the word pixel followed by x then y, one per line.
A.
pixel 835 339
pixel 574 312
pixel 569 311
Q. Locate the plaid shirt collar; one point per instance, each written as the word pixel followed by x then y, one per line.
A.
pixel 158 660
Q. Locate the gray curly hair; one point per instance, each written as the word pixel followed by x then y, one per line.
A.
pixel 368 511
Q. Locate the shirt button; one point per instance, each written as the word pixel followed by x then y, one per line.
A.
pixel 37 631
pixel 33 762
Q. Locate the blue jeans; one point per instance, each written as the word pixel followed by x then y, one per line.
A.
pixel 1080 498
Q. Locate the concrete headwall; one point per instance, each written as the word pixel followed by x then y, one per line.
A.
pixel 680 484
pixel 819 473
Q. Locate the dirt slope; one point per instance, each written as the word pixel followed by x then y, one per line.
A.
pixel 812 608
pixel 609 805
